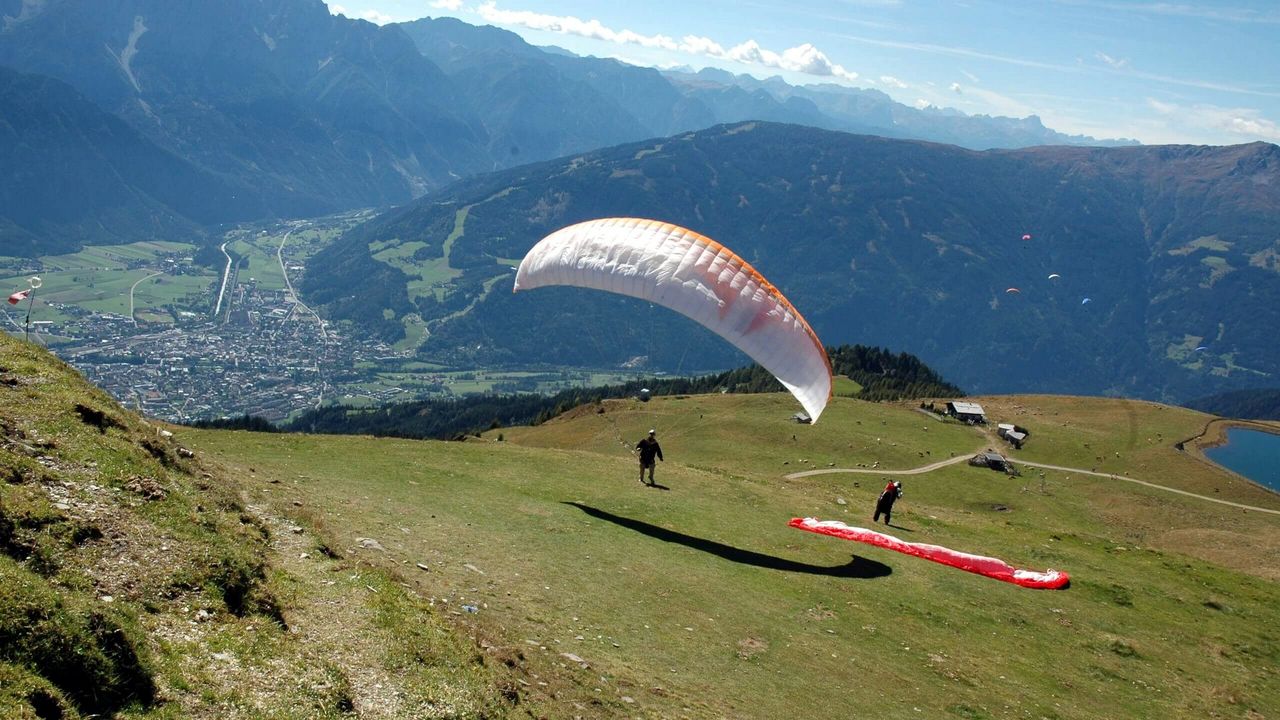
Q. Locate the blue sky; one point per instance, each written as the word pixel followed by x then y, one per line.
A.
pixel 1158 72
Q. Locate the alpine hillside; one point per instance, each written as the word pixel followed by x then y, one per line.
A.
pixel 1166 260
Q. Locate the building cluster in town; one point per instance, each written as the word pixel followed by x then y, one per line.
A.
pixel 266 357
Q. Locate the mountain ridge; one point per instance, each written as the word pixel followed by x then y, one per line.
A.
pixel 907 244
pixel 296 112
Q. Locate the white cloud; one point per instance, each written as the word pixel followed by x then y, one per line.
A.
pixel 751 52
pixel 701 46
pixel 1109 64
pixel 993 103
pixel 373 16
pixel 1205 84
pixel 974 100
pixel 810 60
pixel 571 25
pixel 805 58
pixel 450 5
pixel 921 104
pixel 1253 127
pixel 1239 124
pixel 376 17
pixel 1198 11
pixel 958 52
pixel 892 81
pixel 1117 63
pixel 972 78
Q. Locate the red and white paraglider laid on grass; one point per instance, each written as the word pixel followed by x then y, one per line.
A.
pixel 989 566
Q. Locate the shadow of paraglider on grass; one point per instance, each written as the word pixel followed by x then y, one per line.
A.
pixel 858 567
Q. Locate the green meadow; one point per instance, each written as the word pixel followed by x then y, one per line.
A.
pixel 260 263
pixel 98 279
pixel 605 598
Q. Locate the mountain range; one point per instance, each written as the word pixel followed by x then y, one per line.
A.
pixel 182 114
pixel 140 119
pixel 1165 260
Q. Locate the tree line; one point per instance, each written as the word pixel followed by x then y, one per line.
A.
pixel 1248 404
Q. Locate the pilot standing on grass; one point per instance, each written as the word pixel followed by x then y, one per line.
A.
pixel 648 448
pixel 884 504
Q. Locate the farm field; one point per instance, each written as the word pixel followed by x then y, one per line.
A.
pixel 98 279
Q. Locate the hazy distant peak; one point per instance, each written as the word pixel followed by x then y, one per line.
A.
pixel 557 50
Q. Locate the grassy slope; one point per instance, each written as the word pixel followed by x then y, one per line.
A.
pixel 698 601
pixel 137 582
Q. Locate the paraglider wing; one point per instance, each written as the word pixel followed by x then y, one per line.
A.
pixel 1026 237
pixel 1202 348
pixel 1085 301
pixel 698 278
pixel 1013 290
pixel 18 297
pixel 1054 276
pixel 982 565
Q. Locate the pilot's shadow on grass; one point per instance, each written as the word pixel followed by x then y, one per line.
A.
pixel 858 567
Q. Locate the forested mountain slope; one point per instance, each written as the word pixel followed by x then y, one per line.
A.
pixel 1166 259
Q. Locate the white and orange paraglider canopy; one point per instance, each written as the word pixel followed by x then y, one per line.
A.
pixel 698 278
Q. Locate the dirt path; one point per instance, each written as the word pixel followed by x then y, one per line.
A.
pixel 1150 485
pixel 331 621
pixel 990 441
pixel 961 458
pixel 877 471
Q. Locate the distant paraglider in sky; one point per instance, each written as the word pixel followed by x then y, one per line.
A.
pixel 1026 237
pixel 1013 290
pixel 698 278
pixel 1054 276
pixel 1086 301
pixel 1202 348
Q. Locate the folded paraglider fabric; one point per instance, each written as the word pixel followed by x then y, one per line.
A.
pixel 989 566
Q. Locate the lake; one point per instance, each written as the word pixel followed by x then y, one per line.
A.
pixel 1252 453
